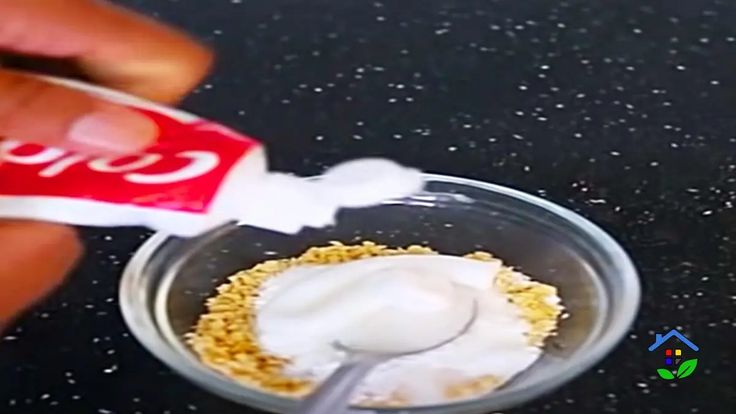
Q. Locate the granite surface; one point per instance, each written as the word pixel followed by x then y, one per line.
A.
pixel 622 111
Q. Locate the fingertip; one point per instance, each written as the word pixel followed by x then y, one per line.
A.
pixel 114 46
pixel 64 238
pixel 111 130
pixel 33 110
pixel 50 239
pixel 37 256
pixel 165 80
pixel 141 56
pixel 184 72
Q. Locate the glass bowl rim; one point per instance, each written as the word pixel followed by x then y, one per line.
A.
pixel 145 329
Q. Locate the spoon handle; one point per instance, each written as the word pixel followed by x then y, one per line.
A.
pixel 333 395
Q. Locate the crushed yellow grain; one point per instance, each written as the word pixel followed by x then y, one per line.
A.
pixel 224 338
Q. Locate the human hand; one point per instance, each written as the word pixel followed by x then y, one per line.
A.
pixel 112 47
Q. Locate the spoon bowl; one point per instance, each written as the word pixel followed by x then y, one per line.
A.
pixel 333 395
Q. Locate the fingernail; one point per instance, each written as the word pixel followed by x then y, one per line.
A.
pixel 111 131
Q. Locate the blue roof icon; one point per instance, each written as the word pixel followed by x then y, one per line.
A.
pixel 660 339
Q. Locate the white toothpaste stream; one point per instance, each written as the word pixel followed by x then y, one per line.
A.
pixel 286 203
pixel 395 303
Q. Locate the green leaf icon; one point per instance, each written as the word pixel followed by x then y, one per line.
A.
pixel 665 374
pixel 687 368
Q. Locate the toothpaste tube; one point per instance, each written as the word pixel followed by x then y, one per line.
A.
pixel 198 175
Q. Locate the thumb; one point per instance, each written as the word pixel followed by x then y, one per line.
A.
pixel 36 111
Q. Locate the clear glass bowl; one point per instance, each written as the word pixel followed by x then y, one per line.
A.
pixel 165 284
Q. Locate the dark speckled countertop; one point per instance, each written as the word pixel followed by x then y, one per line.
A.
pixel 622 111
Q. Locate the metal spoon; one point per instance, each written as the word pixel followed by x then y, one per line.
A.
pixel 333 395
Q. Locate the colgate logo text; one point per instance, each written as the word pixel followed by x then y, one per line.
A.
pixel 195 163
